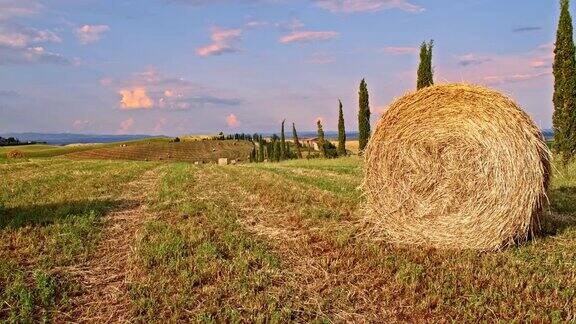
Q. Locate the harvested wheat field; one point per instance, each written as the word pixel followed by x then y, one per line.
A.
pixel 187 151
pixel 273 242
pixel 456 166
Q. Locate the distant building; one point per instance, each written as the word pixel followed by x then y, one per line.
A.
pixel 312 142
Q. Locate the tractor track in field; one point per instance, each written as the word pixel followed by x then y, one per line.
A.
pixel 105 277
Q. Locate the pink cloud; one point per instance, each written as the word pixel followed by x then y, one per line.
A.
pixel 90 33
pixel 232 121
pixel 222 42
pixel 351 6
pixel 126 125
pixel 395 50
pixel 136 98
pixel 160 125
pixel 308 36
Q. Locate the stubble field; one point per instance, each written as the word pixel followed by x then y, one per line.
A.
pixel 163 241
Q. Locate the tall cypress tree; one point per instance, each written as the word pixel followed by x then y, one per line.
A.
pixel 425 70
pixel 321 140
pixel 282 142
pixel 363 115
pixel 296 141
pixel 341 131
pixel 564 70
pixel 260 149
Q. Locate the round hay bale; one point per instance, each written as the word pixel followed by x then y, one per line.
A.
pixel 456 166
pixel 14 154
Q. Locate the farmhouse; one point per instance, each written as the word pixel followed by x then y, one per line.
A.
pixel 311 142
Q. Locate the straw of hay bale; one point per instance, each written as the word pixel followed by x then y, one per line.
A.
pixel 456 166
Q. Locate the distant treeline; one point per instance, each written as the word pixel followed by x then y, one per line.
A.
pixel 11 141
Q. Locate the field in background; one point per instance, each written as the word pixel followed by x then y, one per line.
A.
pixel 186 151
pixel 43 150
pixel 256 242
pixel 191 149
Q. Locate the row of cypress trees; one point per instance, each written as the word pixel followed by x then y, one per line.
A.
pixel 278 149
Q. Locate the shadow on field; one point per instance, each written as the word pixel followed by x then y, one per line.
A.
pixel 562 211
pixel 43 215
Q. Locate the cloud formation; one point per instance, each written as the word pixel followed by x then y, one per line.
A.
pixel 126 125
pixel 18 8
pixel 232 121
pixel 90 33
pixel 20 36
pixel 308 36
pixel 351 6
pixel 22 45
pixel 135 98
pixel 223 41
pixel 151 89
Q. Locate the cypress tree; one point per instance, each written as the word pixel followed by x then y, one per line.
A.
pixel 282 142
pixel 296 141
pixel 341 131
pixel 277 151
pixel 260 149
pixel 363 115
pixel 321 140
pixel 564 70
pixel 425 70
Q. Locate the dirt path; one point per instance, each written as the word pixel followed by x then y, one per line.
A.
pixel 105 277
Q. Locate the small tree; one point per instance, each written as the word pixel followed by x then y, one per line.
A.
pixel 321 140
pixel 363 115
pixel 425 70
pixel 341 131
pixel 296 141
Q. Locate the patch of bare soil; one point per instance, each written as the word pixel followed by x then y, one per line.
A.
pixel 105 277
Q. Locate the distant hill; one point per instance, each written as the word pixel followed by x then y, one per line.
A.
pixel 68 138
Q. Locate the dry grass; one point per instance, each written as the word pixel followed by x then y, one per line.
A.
pixel 456 166
pixel 268 242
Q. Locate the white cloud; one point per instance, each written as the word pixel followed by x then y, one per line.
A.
pixel 19 36
pixel 90 33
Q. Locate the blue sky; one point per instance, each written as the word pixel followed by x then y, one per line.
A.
pixel 201 66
